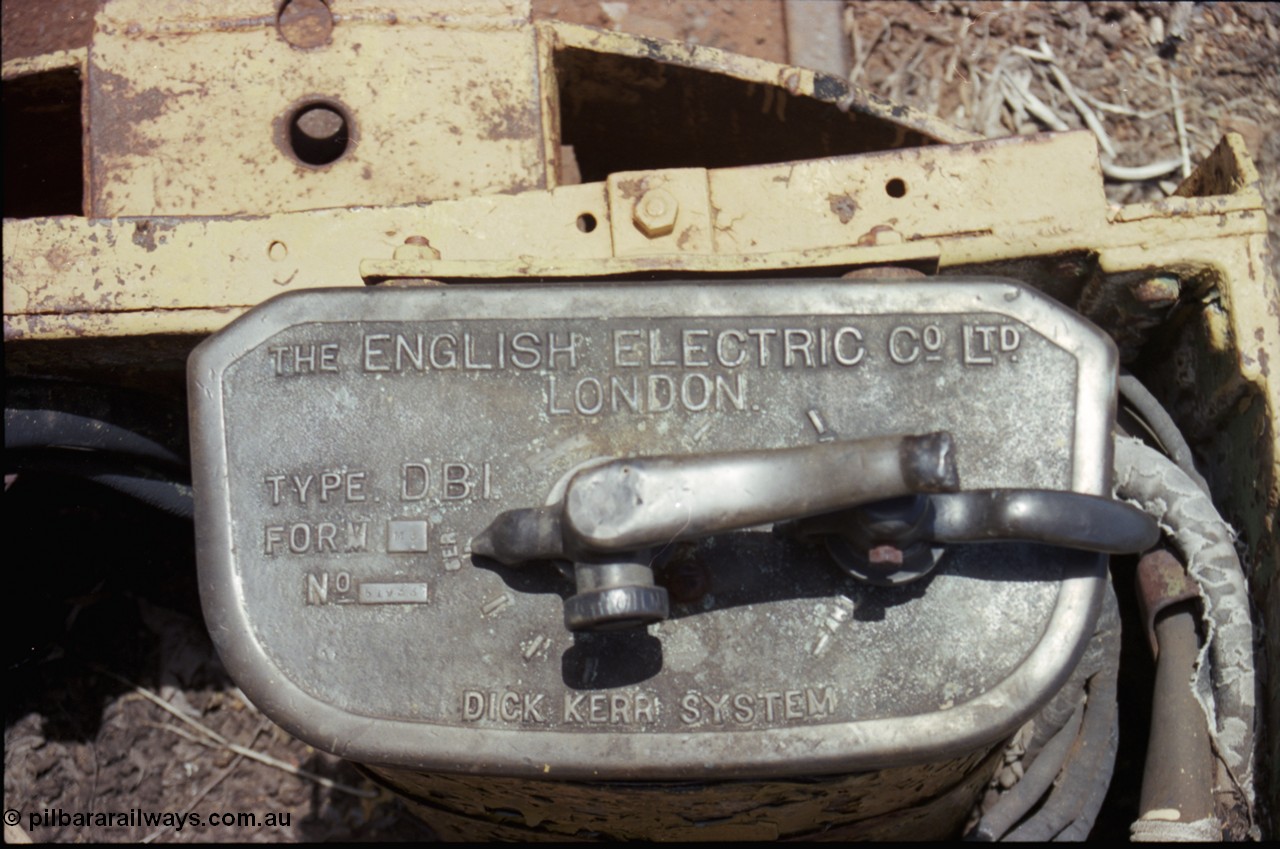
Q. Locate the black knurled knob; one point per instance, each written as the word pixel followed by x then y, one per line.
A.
pixel 615 608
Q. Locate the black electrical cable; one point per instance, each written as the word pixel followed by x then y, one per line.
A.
pixel 1036 781
pixel 1072 807
pixel 40 413
pixel 128 441
pixel 165 489
pixel 1162 426
pixel 1077 761
pixel 27 429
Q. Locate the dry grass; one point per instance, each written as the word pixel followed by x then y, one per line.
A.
pixel 1157 83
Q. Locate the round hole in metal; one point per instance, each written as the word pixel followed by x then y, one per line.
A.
pixel 319 133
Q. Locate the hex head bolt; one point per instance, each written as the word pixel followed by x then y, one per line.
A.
pixel 655 213
pixel 305 23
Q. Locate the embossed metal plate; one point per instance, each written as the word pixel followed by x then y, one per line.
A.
pixel 349 443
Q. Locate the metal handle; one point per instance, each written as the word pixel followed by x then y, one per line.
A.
pixel 615 512
pixel 1068 519
pixel 890 544
pixel 628 505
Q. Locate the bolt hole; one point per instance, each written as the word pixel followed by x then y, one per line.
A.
pixel 586 222
pixel 895 188
pixel 319 133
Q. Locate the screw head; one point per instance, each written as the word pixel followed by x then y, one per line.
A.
pixel 655 213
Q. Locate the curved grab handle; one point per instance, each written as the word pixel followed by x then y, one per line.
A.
pixel 895 542
pixel 1068 519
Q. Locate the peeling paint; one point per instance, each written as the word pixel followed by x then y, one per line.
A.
pixel 843 206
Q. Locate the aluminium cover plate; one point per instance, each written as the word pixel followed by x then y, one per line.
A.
pixel 347 444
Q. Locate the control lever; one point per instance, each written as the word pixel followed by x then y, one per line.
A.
pixel 613 517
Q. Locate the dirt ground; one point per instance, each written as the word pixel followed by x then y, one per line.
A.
pixel 105 615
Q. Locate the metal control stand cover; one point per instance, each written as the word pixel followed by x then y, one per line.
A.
pixel 348 444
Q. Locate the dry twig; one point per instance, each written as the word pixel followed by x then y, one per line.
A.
pixel 1180 123
pixel 896 82
pixel 1103 106
pixel 1139 173
pixel 861 61
pixel 1110 169
pixel 850 20
pixel 235 747
pixel 1021 90
pixel 1090 119
pixel 208 788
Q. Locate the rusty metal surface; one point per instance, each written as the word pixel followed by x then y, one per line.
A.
pixel 188 76
pixel 170 83
pixel 44 26
pixel 1162 581
pixel 1178 779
